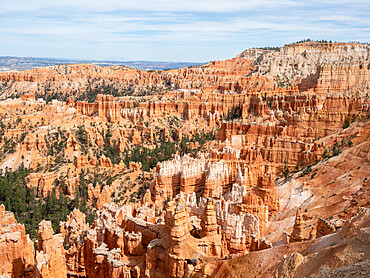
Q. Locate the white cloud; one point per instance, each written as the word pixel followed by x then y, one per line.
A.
pixel 144 5
pixel 139 24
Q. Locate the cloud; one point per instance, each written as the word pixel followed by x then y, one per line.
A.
pixel 193 28
pixel 143 5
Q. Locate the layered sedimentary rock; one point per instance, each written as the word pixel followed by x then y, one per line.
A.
pixel 305 119
pixel 209 221
pixel 236 228
pixel 180 248
pixel 321 67
pixel 133 245
pixel 297 228
pixel 16 248
pixel 207 178
pixel 314 257
pixel 288 139
pixel 200 175
pixel 42 182
pixel 105 162
pixel 118 245
pixel 31 143
pixel 83 161
pixel 210 108
pixel 72 149
pixel 73 231
pixel 50 256
pixel 104 106
pixel 324 228
pixel 103 247
pixel 337 66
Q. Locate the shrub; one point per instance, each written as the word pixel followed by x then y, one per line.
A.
pixel 286 170
pixel 346 123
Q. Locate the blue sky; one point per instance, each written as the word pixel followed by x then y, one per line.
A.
pixel 171 30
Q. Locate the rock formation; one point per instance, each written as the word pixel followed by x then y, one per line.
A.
pixel 209 221
pixel 73 231
pixel 324 227
pixel 16 248
pixel 50 256
pixel 42 182
pixel 297 228
pixel 133 244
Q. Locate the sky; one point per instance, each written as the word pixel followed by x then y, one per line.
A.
pixel 172 30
